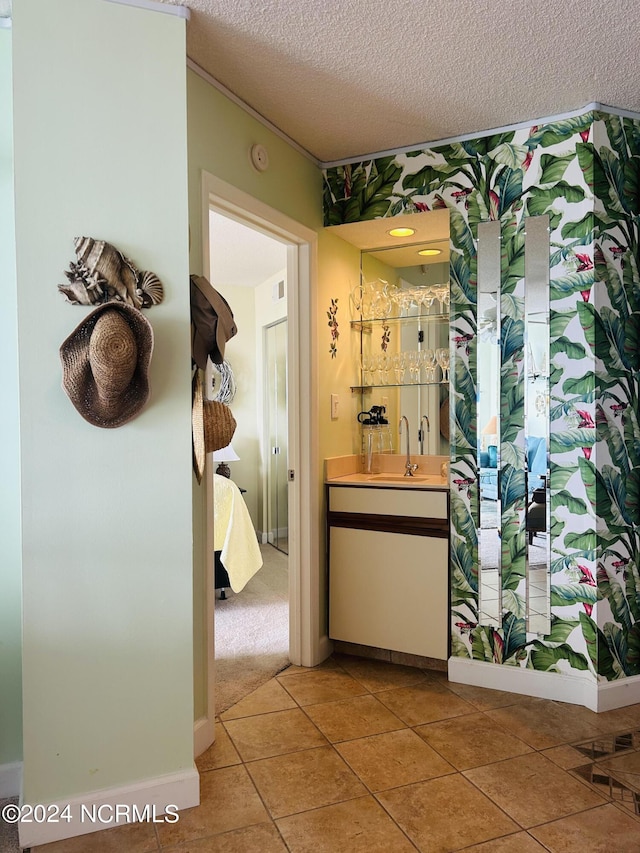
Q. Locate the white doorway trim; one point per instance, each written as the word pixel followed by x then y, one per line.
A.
pixel 306 645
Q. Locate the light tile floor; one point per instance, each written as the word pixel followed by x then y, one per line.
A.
pixel 364 756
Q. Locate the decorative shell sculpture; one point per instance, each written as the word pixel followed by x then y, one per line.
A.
pixel 103 274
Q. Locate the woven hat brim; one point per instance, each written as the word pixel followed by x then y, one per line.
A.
pixel 197 426
pixel 219 425
pixel 78 380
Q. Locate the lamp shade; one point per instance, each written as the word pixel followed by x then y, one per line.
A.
pixel 490 428
pixel 225 454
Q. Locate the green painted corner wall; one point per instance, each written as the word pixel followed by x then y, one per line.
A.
pixel 220 135
pixel 100 151
pixel 10 559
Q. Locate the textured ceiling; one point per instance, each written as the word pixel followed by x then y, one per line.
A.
pixel 349 78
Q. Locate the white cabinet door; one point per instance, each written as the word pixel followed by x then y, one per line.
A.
pixel 389 590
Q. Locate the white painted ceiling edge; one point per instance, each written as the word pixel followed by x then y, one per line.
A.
pixel 156 6
pixel 342 79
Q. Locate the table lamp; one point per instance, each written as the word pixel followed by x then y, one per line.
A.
pixel 489 431
pixel 222 456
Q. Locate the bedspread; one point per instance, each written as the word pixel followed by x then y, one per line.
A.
pixel 233 533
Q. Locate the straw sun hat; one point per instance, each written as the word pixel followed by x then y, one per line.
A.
pixel 213 426
pixel 105 364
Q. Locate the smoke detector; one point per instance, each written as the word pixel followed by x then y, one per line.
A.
pixel 259 157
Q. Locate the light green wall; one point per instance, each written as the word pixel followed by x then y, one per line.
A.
pixel 10 559
pixel 100 150
pixel 220 135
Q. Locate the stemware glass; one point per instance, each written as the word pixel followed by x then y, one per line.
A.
pixel 429 362
pixel 405 300
pixel 413 362
pixel 443 296
pixel 386 363
pixel 424 297
pixel 391 292
pixel 442 357
pixel 367 369
pixel 399 367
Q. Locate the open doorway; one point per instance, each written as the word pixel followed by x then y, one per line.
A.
pixel 308 640
pixel 251 626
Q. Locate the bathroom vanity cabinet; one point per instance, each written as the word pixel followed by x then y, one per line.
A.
pixel 388 567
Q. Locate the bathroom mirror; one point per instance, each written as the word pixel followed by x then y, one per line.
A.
pixel 488 424
pixel 536 431
pixel 513 430
pixel 404 304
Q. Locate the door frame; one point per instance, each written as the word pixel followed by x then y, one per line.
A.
pixel 308 644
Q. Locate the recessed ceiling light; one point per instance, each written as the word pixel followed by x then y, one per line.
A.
pixel 430 252
pixel 401 232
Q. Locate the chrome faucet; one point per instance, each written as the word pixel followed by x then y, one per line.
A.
pixel 421 432
pixel 409 467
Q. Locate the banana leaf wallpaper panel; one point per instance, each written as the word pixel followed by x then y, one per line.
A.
pixel 584 173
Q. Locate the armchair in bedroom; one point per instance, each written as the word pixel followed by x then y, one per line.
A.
pixel 489 473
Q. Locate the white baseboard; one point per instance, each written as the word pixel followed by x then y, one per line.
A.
pixel 203 735
pixel 178 789
pixel 10 779
pixel 577 690
pixel 618 694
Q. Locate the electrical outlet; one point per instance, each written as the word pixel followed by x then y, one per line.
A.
pixel 334 407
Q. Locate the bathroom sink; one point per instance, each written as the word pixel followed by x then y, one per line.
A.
pixel 400 478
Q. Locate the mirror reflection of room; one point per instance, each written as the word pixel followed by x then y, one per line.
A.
pixel 529 450
pixel 488 423
pixel 538 553
pixel 403 300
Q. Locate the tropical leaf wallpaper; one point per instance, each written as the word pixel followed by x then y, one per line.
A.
pixel 584 173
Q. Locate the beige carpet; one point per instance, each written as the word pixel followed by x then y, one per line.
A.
pixel 252 631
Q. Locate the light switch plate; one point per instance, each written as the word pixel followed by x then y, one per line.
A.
pixel 334 407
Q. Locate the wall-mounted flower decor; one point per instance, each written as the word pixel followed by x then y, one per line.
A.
pixel 333 325
pixel 386 335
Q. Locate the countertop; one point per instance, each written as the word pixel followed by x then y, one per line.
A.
pixel 397 481
pixel 347 471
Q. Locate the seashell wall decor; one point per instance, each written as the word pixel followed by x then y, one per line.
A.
pixel 103 274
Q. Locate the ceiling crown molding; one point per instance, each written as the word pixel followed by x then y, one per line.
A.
pixel 155 6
